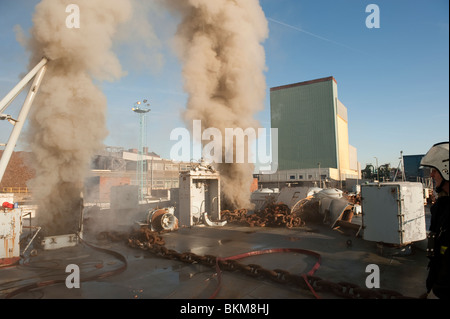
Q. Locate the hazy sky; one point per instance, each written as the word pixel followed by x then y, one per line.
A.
pixel 393 80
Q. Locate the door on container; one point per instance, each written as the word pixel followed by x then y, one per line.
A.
pixel 413 212
pixel 380 212
pixel 198 200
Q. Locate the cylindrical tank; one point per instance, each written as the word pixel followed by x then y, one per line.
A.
pixel 161 219
pixel 329 192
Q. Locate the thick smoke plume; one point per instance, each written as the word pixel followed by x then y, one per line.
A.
pixel 219 43
pixel 67 124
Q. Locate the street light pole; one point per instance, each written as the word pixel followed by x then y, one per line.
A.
pixel 141 171
pixel 320 178
pixel 378 176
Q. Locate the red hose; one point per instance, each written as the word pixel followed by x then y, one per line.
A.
pixel 271 251
pixel 58 281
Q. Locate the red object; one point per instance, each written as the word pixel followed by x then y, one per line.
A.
pixel 7 205
pixel 270 251
pixel 7 262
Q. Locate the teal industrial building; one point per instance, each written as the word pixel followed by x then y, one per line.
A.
pixel 313 142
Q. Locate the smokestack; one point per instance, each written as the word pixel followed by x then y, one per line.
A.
pixel 67 123
pixel 220 45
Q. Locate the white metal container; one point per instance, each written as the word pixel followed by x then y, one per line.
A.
pixel 393 212
pixel 329 192
pixel 199 192
pixel 10 231
pixel 290 196
pixel 261 196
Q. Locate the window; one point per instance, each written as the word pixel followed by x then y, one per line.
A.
pixel 292 177
pixel 158 166
pixel 158 183
pixel 300 176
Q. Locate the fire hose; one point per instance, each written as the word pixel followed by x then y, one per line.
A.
pixel 149 241
pixel 258 269
pixel 58 281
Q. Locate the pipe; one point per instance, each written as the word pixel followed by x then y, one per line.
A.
pixel 218 208
pixel 208 222
pixel 38 228
pixel 21 119
pixel 19 87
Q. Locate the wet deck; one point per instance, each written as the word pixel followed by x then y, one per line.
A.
pixel 153 277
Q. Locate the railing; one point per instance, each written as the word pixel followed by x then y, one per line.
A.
pixel 14 190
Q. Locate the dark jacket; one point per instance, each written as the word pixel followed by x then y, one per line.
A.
pixel 439 266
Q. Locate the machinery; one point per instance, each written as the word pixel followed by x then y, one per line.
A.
pixel 162 219
pixel 199 193
pixel 11 216
pixel 37 73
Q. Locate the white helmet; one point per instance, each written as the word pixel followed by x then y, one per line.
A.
pixel 437 157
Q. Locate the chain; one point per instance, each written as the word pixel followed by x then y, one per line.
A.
pixel 273 215
pixel 152 242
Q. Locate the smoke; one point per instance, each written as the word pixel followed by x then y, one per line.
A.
pixel 67 122
pixel 219 44
pixel 137 42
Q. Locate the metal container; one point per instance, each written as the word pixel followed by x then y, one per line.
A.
pixel 290 196
pixel 10 231
pixel 199 192
pixel 393 212
pixel 260 197
pixel 329 192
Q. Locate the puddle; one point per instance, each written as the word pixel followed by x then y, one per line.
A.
pixel 224 241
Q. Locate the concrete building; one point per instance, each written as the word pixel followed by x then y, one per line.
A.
pixel 116 167
pixel 313 141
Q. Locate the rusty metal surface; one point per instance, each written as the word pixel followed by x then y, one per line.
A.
pixel 277 214
pixel 10 231
pixel 274 215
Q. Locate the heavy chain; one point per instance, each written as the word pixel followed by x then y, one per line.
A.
pixel 152 242
pixel 274 215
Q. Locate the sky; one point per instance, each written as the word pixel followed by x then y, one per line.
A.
pixel 393 79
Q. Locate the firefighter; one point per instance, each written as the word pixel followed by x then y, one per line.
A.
pixel 438 280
